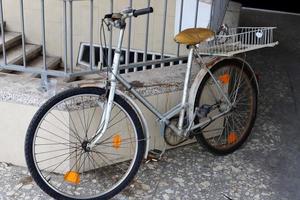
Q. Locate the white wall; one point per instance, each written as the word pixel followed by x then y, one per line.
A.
pixel 189 14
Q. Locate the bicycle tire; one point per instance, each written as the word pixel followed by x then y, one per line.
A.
pixel 204 141
pixel 32 130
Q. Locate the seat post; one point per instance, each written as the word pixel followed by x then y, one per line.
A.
pixel 185 88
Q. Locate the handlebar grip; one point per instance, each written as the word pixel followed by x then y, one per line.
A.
pixel 143 11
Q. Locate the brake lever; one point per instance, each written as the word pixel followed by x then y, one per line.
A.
pixel 107 23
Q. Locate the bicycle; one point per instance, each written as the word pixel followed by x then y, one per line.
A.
pixel 88 143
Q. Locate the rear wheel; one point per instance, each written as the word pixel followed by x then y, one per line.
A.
pixel 56 146
pixel 229 132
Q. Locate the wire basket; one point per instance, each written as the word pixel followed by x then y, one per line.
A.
pixel 238 40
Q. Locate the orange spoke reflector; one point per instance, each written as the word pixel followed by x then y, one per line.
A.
pixel 232 138
pixel 72 177
pixel 117 140
pixel 224 78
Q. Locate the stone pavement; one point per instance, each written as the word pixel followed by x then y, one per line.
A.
pixel 266 168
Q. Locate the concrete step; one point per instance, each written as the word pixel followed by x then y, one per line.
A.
pixel 53 63
pixel 12 39
pixel 97 76
pixel 65 80
pixel 15 55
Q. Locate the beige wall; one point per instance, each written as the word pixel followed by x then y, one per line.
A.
pixel 54 23
pixel 14 127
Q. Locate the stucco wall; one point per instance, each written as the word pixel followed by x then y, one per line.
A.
pixel 81 10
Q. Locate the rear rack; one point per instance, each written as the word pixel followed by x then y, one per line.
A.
pixel 238 40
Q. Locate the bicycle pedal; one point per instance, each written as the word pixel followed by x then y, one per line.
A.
pixel 154 155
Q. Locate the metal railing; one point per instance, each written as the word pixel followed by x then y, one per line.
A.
pixel 68 40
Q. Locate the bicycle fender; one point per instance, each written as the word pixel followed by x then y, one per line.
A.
pixel 141 117
pixel 201 74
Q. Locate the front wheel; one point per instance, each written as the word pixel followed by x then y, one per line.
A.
pixel 229 132
pixel 56 146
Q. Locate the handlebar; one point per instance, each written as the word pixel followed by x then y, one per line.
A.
pixel 142 11
pixel 129 12
pixel 117 20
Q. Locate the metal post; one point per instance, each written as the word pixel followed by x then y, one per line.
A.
pixel 71 35
pixel 110 37
pixel 23 32
pixel 180 24
pixel 129 38
pixel 164 31
pixel 196 14
pixel 43 34
pixel 65 36
pixel 3 34
pixel 147 35
pixel 92 60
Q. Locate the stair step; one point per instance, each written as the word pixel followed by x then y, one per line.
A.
pixel 15 55
pixel 64 79
pixel 98 76
pixel 53 63
pixel 11 39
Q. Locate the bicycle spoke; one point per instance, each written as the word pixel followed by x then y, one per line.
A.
pixel 55 142
pixel 51 158
pixel 59 164
pixel 39 153
pixel 101 156
pixel 61 157
pixel 76 134
pixel 71 169
pixel 50 132
pixel 80 139
pixel 44 129
pixel 212 130
pixel 78 114
pixel 90 122
pixel 107 153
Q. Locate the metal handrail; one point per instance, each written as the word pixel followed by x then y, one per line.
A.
pixel 68 32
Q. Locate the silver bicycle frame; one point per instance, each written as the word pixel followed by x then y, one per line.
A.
pixel 164 118
pixel 113 83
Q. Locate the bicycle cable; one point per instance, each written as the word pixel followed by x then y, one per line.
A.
pixel 104 62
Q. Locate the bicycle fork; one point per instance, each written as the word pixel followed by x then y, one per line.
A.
pixel 113 82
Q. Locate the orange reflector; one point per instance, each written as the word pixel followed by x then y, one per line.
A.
pixel 224 78
pixel 72 177
pixel 117 140
pixel 232 138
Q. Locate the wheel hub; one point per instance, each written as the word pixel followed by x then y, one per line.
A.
pixel 85 147
pixel 223 107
